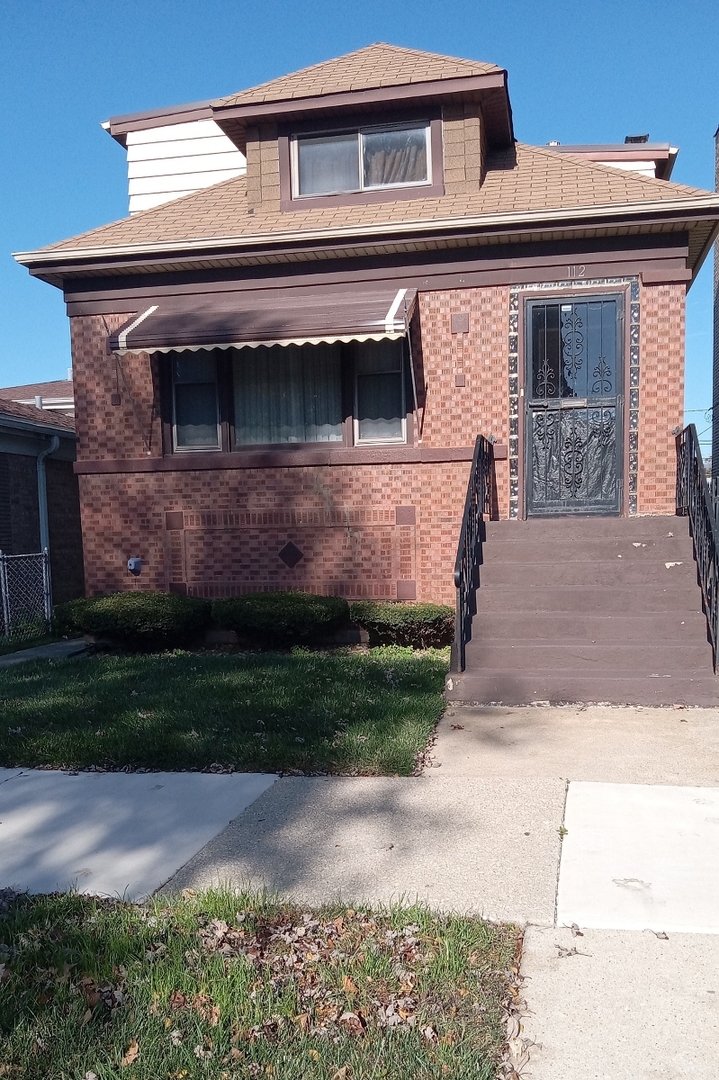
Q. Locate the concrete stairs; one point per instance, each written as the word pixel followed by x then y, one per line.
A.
pixel 588 609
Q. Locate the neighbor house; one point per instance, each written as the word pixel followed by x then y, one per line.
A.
pixel 39 503
pixel 329 285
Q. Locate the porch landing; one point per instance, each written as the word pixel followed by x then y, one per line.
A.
pixel 588 609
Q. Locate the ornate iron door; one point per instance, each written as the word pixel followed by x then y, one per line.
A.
pixel 574 406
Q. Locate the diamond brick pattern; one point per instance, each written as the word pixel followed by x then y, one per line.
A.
pixel 290 555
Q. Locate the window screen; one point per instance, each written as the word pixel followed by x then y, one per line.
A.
pixel 196 418
pixel 379 392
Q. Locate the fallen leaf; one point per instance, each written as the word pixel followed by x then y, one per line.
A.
pixel 342 1073
pixel 132 1053
pixel 302 1021
pixel 353 1023
pixel 349 985
pixel 86 1018
pixel 314 1054
pixel 429 1033
pixel 176 1037
pixel 457 727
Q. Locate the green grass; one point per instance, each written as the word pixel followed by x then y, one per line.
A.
pixel 223 987
pixel 364 713
pixel 16 644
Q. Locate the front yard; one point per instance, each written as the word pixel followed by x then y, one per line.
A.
pixel 230 987
pixel 362 713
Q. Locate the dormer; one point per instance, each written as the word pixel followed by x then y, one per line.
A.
pixel 377 125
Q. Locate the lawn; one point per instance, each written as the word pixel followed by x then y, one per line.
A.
pixel 362 713
pixel 235 987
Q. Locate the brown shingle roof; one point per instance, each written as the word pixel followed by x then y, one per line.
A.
pixel 374 66
pixel 525 178
pixel 59 388
pixel 17 411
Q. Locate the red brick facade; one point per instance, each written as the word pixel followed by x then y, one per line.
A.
pixel 379 530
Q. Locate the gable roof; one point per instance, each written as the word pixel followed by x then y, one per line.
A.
pixel 522 183
pixel 374 66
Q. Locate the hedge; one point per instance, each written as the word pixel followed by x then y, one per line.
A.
pixel 419 625
pixel 277 619
pixel 136 619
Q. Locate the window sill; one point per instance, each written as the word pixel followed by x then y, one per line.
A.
pixel 364 198
pixel 281 459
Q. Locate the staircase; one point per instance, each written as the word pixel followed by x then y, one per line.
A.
pixel 588 609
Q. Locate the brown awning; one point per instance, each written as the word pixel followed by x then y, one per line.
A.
pixel 268 317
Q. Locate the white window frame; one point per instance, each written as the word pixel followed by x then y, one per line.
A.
pixel 359 132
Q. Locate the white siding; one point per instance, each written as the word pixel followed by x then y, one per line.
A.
pixel 166 162
pixel 646 168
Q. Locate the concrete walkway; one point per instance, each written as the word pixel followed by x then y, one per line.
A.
pixel 111 834
pixel 634 794
pixel 56 650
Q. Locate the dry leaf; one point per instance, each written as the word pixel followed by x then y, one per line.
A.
pixel 314 1054
pixel 342 1073
pixel 132 1053
pixel 176 1037
pixel 303 1021
pixel 87 1017
pixel 353 1023
pixel 349 985
pixel 430 1033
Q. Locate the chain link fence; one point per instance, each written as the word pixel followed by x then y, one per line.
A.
pixel 25 595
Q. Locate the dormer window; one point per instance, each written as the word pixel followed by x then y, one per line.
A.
pixel 368 159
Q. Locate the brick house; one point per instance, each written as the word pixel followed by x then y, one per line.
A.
pixel 39 501
pixel 329 285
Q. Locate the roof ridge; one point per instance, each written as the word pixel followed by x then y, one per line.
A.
pixel 610 170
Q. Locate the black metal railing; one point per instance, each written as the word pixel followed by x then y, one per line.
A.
pixel 469 549
pixel 694 500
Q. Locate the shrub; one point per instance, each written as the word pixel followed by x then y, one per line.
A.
pixel 139 618
pixel 67 618
pixel 276 619
pixel 419 625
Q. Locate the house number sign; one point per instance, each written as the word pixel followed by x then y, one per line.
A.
pixel 576 271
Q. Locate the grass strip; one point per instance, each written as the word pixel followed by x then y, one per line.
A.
pixel 230 987
pixel 349 712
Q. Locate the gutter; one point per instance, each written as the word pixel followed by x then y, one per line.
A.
pixel 525 219
pixel 31 428
pixel 42 492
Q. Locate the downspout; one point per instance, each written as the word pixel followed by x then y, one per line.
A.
pixel 42 492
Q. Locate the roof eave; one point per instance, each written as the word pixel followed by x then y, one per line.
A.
pixel 229 117
pixel 599 216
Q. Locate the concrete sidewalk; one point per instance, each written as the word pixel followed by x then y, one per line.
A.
pixel 112 834
pixel 56 650
pixel 630 998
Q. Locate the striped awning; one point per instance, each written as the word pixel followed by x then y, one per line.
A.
pixel 362 312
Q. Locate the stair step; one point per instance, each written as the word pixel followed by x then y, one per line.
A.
pixel 642 659
pixel 506 550
pixel 598 599
pixel 574 627
pixel 510 687
pixel 588 528
pixel 620 572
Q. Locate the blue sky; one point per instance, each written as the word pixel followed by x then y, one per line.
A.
pixel 579 71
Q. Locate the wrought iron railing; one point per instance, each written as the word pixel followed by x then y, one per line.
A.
pixel 469 550
pixel 694 500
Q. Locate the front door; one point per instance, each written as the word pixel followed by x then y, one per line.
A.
pixel 573 395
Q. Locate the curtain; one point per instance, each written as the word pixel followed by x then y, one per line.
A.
pixel 380 397
pixel 394 157
pixel 196 412
pixel 328 164
pixel 288 394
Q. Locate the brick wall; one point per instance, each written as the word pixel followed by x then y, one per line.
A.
pixel 225 528
pixel 63 511
pixel 661 395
